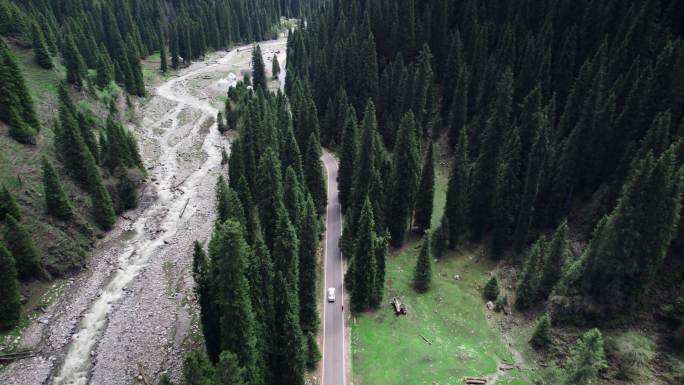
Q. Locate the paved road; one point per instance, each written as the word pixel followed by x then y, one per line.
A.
pixel 333 320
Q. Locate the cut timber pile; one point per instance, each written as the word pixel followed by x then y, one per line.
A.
pixel 9 357
pixel 475 380
pixel 399 308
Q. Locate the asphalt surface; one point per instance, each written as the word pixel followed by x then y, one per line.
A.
pixel 333 314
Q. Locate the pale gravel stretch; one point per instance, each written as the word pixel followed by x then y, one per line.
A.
pixel 132 308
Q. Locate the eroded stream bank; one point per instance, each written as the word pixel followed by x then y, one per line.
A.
pixel 132 309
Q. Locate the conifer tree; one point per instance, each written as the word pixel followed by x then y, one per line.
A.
pixel 20 245
pixel 104 68
pixel 556 257
pixel 291 155
pixel 491 289
pixel 275 68
pixel 19 130
pixel 73 61
pixel 542 333
pixel 348 154
pixel 8 205
pixel 294 199
pixel 228 203
pixel 313 172
pixel 506 195
pixel 197 369
pixel 163 64
pixel 586 360
pixel 456 210
pixel 103 210
pixel 313 354
pixel 268 194
pixel 285 254
pixel 362 270
pixel 458 113
pixel 16 104
pixel 426 193
pixel 10 304
pixel 165 380
pixel 288 351
pixel 229 371
pixel 422 277
pixel 308 267
pixel 405 180
pixel 258 70
pixel 229 252
pixel 56 200
pixel 209 316
pixel 174 46
pixel 40 51
pixel 381 252
pixel 528 286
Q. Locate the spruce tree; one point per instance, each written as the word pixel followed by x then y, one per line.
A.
pixel 422 277
pixel 103 210
pixel 40 51
pixel 348 154
pixel 363 267
pixel 20 245
pixel 14 93
pixel 405 180
pixel 294 199
pixel 163 64
pixel 556 257
pixel 289 355
pixel 285 253
pixel 528 285
pixel 260 276
pixel 209 316
pixel 19 130
pixel 228 205
pixel 456 210
pixel 506 195
pixel 458 113
pixel 275 68
pixel 586 360
pixel 73 61
pixel 426 193
pixel 308 268
pixel 491 289
pixel 313 173
pixel 8 205
pixel 104 68
pixel 229 252
pixel 56 200
pixel 542 333
pixel 174 47
pixel 10 304
pixel 229 371
pixel 381 252
pixel 258 70
pixel 269 194
pixel 313 354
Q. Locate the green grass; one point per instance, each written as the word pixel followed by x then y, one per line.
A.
pixel 387 349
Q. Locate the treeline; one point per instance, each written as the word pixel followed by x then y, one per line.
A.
pixel 256 284
pixel 552 108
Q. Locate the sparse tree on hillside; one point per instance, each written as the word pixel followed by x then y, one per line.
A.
pixel 40 51
pixel 275 67
pixel 587 360
pixel 8 205
pixel 20 244
pixel 422 278
pixel 491 289
pixel 56 200
pixel 258 70
pixel 10 304
pixel 542 333
pixel 528 286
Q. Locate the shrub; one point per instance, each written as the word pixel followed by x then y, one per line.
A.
pixel 542 333
pixel 491 289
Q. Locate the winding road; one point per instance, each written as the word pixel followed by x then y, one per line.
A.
pixel 333 314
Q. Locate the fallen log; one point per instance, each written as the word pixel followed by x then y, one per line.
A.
pixel 475 380
pixel 399 308
pixel 425 339
pixel 10 357
pixel 184 207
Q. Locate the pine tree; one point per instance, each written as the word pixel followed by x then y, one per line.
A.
pixel 209 316
pixel 56 200
pixel 556 257
pixel 586 360
pixel 19 130
pixel 8 205
pixel 228 205
pixel 20 244
pixel 73 61
pixel 16 104
pixel 308 267
pixel 10 304
pixel 456 210
pixel 104 68
pixel 426 193
pixel 313 173
pixel 363 267
pixel 258 70
pixel 269 194
pixel 422 277
pixel 103 210
pixel 229 252
pixel 197 369
pixel 313 354
pixel 294 199
pixel 381 251
pixel 348 154
pixel 542 333
pixel 528 286
pixel 458 113
pixel 229 370
pixel 275 69
pixel 506 195
pixel 285 253
pixel 163 65
pixel 491 289
pixel 405 180
pixel 174 47
pixel 40 51
pixel 288 350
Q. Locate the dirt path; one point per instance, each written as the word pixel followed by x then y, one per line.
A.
pixel 131 310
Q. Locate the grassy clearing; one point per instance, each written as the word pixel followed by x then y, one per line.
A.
pixel 466 340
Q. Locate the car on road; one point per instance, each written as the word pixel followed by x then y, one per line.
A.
pixel 331 294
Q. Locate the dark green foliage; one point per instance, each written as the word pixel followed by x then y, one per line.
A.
pixel 275 67
pixel 22 247
pixel 506 195
pixel 175 62
pixel 8 205
pixel 362 270
pixel 10 305
pixel 103 210
pixel 491 289
pixel 40 51
pixel 165 380
pixel 197 369
pixel 542 333
pixel 348 153
pixel 228 203
pixel 587 360
pixel 528 285
pixel 422 277
pixel 269 194
pixel 19 130
pixel 56 200
pixel 229 371
pixel 289 355
pixel 313 355
pixel 209 315
pixel 220 123
pixel 104 68
pixel 405 178
pixel 426 193
pixel 308 267
pixel 456 210
pixel 285 253
pixel 258 70
pixel 73 61
pixel 294 199
pixel 16 105
pixel 313 172
pixel 556 257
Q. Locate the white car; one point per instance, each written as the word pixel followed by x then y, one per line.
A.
pixel 331 294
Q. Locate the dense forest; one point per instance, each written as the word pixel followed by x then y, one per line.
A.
pixel 563 122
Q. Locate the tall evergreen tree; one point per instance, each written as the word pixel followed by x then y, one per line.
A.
pixel 258 70
pixel 209 316
pixel 405 180
pixel 313 173
pixel 20 244
pixel 528 286
pixel 308 268
pixel 363 270
pixel 229 370
pixel 228 203
pixel 348 153
pixel 56 200
pixel 506 195
pixel 556 258
pixel 163 64
pixel 175 62
pixel 269 194
pixel 40 51
pixel 73 61
pixel 10 304
pixel 8 205
pixel 586 360
pixel 289 355
pixel 103 210
pixel 426 193
pixel 456 210
pixel 422 277
pixel 542 333
pixel 275 67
